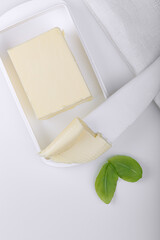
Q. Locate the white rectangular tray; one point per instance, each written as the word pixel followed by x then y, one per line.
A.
pixel 44 131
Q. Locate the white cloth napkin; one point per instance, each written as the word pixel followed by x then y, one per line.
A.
pixel 133 26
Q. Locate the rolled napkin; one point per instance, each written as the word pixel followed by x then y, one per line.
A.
pixel 133 28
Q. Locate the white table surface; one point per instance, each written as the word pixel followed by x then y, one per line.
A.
pixel 38 202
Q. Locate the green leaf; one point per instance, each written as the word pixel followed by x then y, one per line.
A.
pixel 127 168
pixel 106 182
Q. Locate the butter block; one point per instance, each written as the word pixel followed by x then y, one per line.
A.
pixel 77 143
pixel 49 74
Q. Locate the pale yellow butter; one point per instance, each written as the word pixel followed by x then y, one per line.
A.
pixel 77 143
pixel 49 74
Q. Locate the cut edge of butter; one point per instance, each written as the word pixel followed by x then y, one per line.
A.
pixel 65 108
pixel 77 143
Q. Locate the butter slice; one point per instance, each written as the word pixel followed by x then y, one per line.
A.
pixel 49 74
pixel 77 143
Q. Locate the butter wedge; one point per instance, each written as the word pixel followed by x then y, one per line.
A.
pixel 49 74
pixel 77 143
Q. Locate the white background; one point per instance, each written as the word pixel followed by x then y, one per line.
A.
pixel 38 202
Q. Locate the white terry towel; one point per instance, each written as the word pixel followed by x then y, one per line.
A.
pixel 133 26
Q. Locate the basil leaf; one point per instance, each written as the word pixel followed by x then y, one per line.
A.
pixel 106 182
pixel 127 168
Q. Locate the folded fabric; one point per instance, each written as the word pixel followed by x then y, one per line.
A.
pixel 133 27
